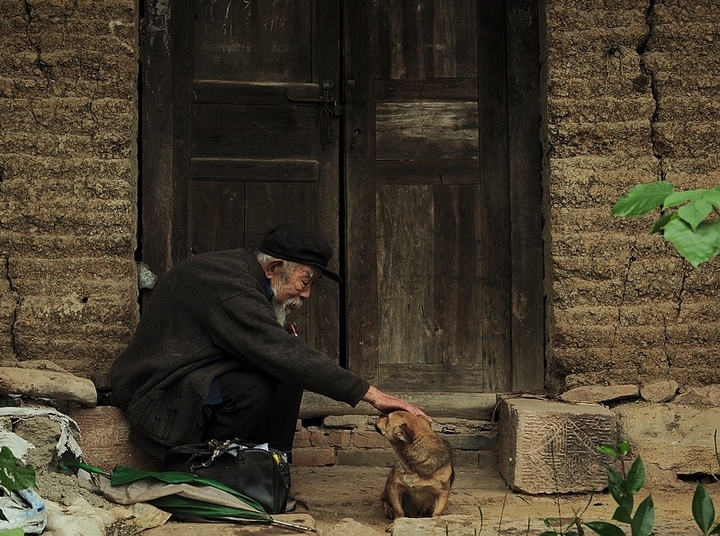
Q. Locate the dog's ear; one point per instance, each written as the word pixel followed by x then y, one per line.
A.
pixel 404 433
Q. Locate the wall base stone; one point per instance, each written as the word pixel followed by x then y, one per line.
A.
pixel 550 447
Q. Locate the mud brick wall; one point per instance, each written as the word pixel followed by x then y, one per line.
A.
pixel 631 96
pixel 68 181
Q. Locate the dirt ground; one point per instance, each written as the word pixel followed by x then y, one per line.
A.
pixel 479 499
pixel 330 494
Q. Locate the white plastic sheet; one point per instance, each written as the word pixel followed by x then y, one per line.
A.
pixel 24 509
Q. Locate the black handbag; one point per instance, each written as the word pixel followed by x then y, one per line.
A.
pixel 260 472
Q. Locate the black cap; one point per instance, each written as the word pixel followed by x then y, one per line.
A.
pixel 295 243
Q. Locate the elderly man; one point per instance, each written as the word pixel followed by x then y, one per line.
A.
pixel 212 357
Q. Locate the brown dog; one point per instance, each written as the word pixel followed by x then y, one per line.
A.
pixel 419 484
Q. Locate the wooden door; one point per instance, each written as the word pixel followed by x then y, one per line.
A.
pixel 444 262
pixel 251 86
pixel 428 186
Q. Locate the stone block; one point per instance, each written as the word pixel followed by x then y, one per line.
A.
pixel 550 447
pixel 104 440
pixel 675 438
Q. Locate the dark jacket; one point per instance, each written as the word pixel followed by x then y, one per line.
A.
pixel 208 315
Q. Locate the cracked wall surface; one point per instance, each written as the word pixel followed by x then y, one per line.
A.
pixel 630 89
pixel 68 181
pixel 631 97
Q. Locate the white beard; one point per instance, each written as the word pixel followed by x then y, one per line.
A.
pixel 282 310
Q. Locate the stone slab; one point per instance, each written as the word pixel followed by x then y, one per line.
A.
pixel 104 440
pixel 550 447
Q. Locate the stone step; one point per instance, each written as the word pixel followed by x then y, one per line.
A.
pixel 334 440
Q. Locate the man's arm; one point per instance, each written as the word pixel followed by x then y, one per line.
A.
pixel 386 403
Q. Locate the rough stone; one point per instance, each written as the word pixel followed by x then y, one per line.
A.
pixel 47 384
pixel 673 437
pixel 104 440
pixel 360 422
pixel 350 527
pixel 600 393
pixel 706 396
pixel 659 391
pixel 550 447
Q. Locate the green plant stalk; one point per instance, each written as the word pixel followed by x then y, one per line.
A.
pixel 623 489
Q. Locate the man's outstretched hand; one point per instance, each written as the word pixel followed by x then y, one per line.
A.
pixel 386 403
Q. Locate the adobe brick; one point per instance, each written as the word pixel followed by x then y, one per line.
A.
pixel 370 457
pixel 365 439
pixel 321 437
pixel 313 457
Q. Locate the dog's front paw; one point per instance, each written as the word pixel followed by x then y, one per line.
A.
pixel 389 512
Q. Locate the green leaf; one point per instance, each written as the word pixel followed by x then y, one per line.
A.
pixel 610 450
pixel 644 518
pixel 696 246
pixel 13 475
pixel 636 476
pixel 703 510
pixel 701 203
pixel 619 490
pixel 604 529
pixel 716 530
pixel 622 514
pixel 698 195
pixel 642 198
pixel 12 532
pixel 624 447
pixel 663 221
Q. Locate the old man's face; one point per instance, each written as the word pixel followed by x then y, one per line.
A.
pixel 295 286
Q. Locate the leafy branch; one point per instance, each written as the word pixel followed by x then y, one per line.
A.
pixel 623 489
pixel 684 219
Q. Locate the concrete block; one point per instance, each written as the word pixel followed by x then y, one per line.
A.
pixel 549 447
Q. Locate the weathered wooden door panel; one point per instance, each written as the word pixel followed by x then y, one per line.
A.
pixel 428 187
pixel 428 198
pixel 248 143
